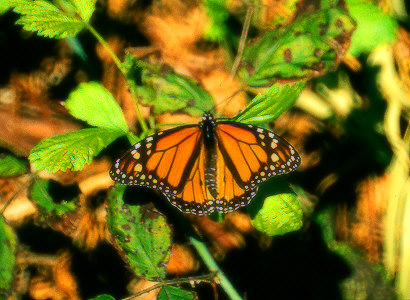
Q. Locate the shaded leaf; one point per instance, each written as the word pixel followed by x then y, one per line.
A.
pixel 175 293
pixel 45 18
pixel 278 213
pixel 71 150
pixel 142 236
pixel 373 27
pixel 11 166
pixel 218 14
pixel 271 104
pixel 39 193
pixel 92 103
pixel 166 91
pixel 8 241
pixel 312 45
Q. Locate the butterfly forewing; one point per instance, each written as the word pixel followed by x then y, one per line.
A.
pixel 162 161
pixel 254 154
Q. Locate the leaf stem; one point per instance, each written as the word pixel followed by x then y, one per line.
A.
pixel 213 267
pixel 119 65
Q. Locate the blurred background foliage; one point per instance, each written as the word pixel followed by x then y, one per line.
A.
pixel 333 75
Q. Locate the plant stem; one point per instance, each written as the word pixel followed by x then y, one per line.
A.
pixel 242 41
pixel 207 277
pixel 213 267
pixel 119 65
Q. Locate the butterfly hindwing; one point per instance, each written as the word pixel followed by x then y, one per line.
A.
pixel 231 196
pixel 195 198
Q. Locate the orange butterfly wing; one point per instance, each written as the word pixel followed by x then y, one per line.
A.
pixel 171 161
pixel 162 161
pixel 195 197
pixel 248 155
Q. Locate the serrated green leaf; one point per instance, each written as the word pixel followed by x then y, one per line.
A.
pixel 8 242
pixel 166 91
pixel 142 235
pixel 103 297
pixel 92 103
pixel 175 293
pixel 271 104
pixel 312 45
pixel 11 166
pixel 279 212
pixel 39 193
pixel 85 8
pixel 71 150
pixel 45 18
pixel 373 27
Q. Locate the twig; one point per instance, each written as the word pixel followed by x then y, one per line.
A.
pixel 242 41
pixel 208 277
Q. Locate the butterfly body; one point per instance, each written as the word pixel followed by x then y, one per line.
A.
pixel 207 166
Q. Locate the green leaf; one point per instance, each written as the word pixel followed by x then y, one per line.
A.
pixel 373 27
pixel 166 91
pixel 92 103
pixel 270 105
pixel 312 45
pixel 85 8
pixel 71 150
pixel 278 213
pixel 103 297
pixel 11 166
pixel 218 14
pixel 4 7
pixel 142 235
pixel 45 18
pixel 8 242
pixel 175 293
pixel 39 193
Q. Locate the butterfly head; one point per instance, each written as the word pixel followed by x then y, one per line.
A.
pixel 207 125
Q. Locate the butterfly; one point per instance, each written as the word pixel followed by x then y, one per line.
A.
pixel 207 166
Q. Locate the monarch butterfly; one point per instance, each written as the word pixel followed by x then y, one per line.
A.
pixel 207 166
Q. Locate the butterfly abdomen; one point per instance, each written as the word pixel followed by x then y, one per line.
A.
pixel 208 132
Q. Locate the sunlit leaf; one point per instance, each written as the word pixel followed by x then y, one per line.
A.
pixel 268 106
pixel 85 8
pixel 276 209
pixel 72 150
pixel 175 293
pixel 8 241
pixel 373 27
pixel 11 166
pixel 4 7
pixel 45 18
pixel 142 236
pixel 92 103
